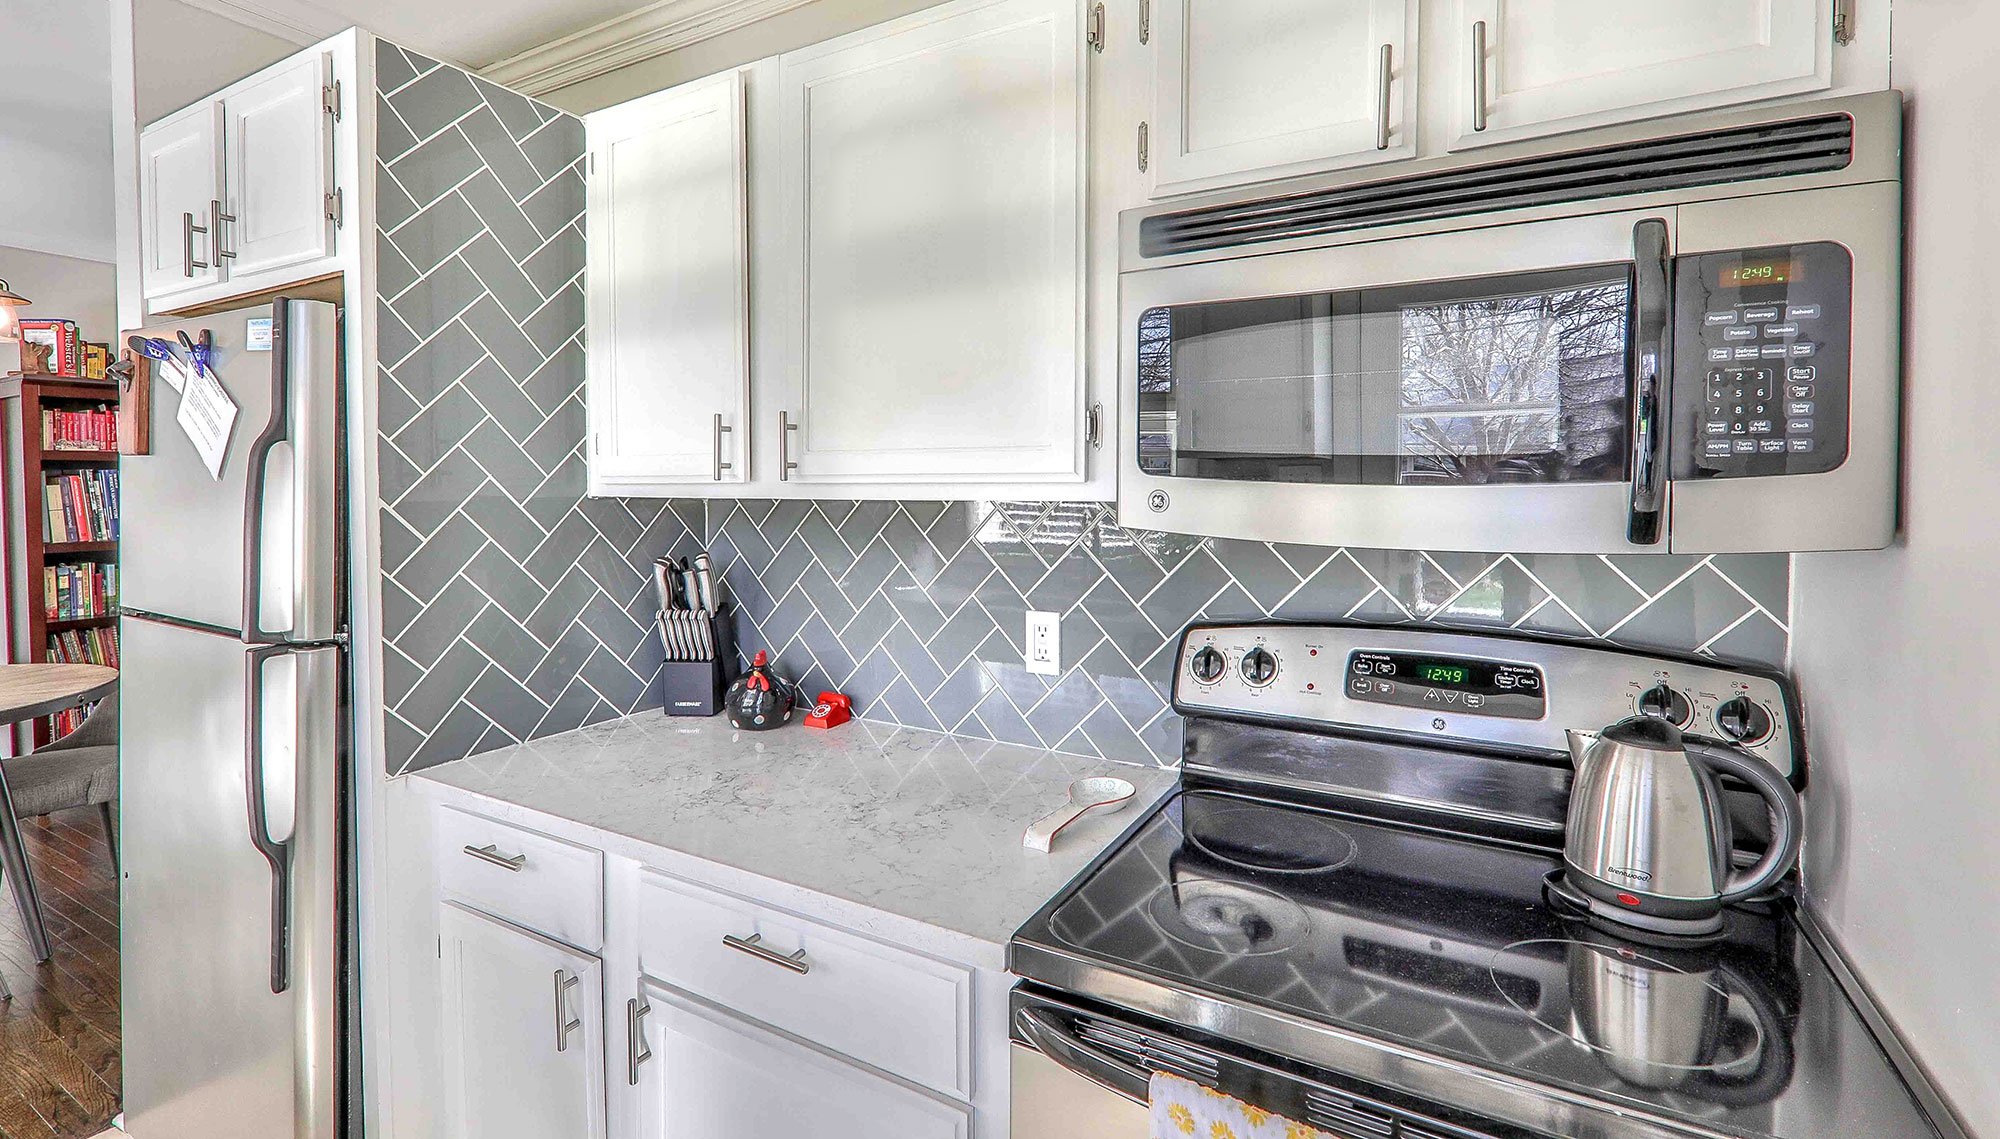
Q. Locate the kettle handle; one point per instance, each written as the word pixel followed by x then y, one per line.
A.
pixel 1785 810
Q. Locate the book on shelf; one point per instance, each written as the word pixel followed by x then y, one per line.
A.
pixel 95 645
pixel 60 342
pixel 76 591
pixel 81 507
pixel 95 429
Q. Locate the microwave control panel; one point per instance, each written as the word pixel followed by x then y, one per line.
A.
pixel 1762 350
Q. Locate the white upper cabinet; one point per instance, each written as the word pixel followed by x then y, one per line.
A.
pixel 522 1034
pixel 180 190
pixel 238 193
pixel 668 310
pixel 1244 92
pixel 929 289
pixel 1559 65
pixel 278 148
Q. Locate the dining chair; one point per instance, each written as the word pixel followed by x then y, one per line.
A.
pixel 78 770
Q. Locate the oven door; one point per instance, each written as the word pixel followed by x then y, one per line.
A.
pixel 1482 389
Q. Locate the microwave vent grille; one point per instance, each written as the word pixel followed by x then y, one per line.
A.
pixel 1708 158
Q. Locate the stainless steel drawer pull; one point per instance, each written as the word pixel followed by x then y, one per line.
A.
pixel 215 219
pixel 491 853
pixel 785 464
pixel 637 1051
pixel 564 1023
pixel 721 429
pixel 754 946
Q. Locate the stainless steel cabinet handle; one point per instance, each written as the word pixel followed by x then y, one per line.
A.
pixel 720 430
pixel 564 1024
pixel 215 219
pixel 491 853
pixel 1652 317
pixel 754 946
pixel 188 230
pixel 785 429
pixel 1479 75
pixel 637 1051
pixel 1382 98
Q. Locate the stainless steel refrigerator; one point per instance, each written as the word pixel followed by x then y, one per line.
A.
pixel 233 767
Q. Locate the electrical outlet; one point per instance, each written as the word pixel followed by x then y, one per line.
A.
pixel 1044 643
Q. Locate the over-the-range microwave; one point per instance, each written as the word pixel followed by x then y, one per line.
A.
pixel 1677 336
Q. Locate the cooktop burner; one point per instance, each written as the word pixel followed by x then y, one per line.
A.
pixel 1233 918
pixel 1258 838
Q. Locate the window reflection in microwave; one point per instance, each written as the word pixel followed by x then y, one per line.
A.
pixel 1520 378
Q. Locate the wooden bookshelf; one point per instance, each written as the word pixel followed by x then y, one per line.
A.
pixel 29 551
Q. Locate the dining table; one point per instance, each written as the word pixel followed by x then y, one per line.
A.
pixel 28 691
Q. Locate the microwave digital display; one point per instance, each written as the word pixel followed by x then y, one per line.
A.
pixel 1750 274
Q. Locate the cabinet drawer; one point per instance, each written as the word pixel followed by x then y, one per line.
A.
pixel 896 1010
pixel 537 882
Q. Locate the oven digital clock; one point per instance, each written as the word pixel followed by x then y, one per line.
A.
pixel 1447 684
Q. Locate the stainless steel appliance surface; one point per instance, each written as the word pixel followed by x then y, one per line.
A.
pixel 1344 917
pixel 1677 335
pixel 1648 837
pixel 233 763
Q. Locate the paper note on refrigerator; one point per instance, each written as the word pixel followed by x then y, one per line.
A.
pixel 175 373
pixel 207 414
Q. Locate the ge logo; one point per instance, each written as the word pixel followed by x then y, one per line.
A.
pixel 1157 501
pixel 1438 724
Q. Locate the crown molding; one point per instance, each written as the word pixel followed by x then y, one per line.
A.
pixel 290 20
pixel 656 29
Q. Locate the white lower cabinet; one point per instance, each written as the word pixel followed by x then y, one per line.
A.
pixel 706 1073
pixel 523 1032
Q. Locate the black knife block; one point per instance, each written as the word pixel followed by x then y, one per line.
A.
pixel 696 687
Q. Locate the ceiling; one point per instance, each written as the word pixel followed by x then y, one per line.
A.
pixel 471 33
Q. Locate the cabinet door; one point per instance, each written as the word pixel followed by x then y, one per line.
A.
pixel 931 276
pixel 1250 91
pixel 668 308
pixel 703 1073
pixel 1558 65
pixel 278 139
pixel 523 1033
pixel 180 174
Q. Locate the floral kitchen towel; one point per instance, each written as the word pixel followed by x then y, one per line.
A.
pixel 1183 1109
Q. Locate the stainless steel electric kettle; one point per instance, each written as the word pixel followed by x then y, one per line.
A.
pixel 1649 842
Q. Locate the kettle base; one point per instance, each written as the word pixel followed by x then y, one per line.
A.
pixel 1564 897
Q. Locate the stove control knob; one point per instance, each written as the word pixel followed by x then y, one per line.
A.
pixel 1666 704
pixel 1259 667
pixel 1207 664
pixel 1743 720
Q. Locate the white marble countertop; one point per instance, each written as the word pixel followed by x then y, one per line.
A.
pixel 913 823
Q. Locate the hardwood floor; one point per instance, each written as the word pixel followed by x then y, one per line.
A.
pixel 59 1067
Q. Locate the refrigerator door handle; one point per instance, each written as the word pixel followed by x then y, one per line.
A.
pixel 277 431
pixel 278 854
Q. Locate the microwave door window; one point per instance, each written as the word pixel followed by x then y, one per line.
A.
pixel 1514 379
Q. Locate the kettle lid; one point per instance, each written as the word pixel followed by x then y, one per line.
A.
pixel 1649 732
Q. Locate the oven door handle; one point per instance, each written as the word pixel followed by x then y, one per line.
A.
pixel 1652 365
pixel 1051 1039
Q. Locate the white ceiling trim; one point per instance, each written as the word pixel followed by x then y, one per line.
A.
pixel 654 30
pixel 299 23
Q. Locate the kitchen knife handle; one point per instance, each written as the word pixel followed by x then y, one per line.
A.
pixel 1652 364
pixel 704 582
pixel 276 431
pixel 278 854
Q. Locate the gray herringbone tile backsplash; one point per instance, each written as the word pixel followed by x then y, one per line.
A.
pixel 516 608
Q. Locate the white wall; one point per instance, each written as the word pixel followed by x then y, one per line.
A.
pixel 55 128
pixel 60 287
pixel 182 53
pixel 1898 652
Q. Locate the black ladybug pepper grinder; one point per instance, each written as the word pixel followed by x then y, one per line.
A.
pixel 757 701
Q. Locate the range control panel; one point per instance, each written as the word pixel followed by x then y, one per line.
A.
pixel 1470 688
pixel 1762 348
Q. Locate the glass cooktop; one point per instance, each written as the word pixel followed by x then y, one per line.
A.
pixel 1446 945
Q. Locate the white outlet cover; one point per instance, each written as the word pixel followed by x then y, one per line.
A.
pixel 1044 653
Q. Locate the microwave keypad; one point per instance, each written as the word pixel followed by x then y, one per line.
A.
pixel 1761 368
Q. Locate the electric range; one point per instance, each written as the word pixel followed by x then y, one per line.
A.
pixel 1342 915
